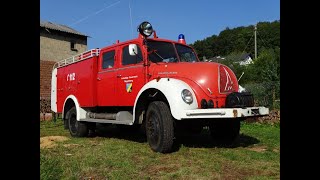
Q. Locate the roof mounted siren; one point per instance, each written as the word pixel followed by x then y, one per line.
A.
pixel 181 39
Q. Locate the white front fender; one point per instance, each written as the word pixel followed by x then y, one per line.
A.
pixel 171 88
pixel 81 113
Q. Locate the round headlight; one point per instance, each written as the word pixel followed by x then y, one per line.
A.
pixel 187 96
pixel 145 29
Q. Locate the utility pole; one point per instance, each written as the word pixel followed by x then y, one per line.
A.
pixel 255 41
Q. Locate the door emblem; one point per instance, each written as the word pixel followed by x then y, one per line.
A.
pixel 129 87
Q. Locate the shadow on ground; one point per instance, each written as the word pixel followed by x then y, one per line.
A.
pixel 113 131
pixel 202 140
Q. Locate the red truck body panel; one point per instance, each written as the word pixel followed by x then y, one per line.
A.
pixel 200 76
pixel 78 79
pixel 119 85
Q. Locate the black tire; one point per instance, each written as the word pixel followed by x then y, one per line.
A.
pixel 76 128
pixel 159 127
pixel 66 123
pixel 225 131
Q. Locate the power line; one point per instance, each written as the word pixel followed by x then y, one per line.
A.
pixel 92 14
pixel 246 47
pixel 247 44
pixel 131 19
pixel 262 39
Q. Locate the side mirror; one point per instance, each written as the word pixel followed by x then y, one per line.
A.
pixel 133 49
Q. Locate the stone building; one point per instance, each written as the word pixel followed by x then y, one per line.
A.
pixel 57 42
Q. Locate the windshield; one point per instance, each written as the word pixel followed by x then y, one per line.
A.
pixel 159 51
pixel 185 53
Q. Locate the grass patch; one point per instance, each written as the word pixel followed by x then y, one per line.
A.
pixel 117 155
pixel 50 167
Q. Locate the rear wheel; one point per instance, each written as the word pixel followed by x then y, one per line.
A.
pixel 225 131
pixel 159 127
pixel 76 128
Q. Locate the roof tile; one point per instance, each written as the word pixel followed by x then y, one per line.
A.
pixel 59 27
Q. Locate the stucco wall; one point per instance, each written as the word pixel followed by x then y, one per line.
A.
pixel 55 46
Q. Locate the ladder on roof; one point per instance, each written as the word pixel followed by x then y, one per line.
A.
pixel 76 58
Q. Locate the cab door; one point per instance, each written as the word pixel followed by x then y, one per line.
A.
pixel 130 75
pixel 106 78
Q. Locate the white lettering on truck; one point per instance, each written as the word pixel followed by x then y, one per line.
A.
pixel 71 77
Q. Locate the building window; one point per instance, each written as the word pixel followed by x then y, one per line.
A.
pixel 73 46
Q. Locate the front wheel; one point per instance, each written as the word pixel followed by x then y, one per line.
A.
pixel 159 127
pixel 76 128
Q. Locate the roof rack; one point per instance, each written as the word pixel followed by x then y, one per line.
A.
pixel 77 58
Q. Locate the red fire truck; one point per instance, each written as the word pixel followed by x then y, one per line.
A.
pixel 158 83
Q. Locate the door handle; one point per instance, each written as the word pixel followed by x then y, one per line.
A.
pixel 98 79
pixel 119 75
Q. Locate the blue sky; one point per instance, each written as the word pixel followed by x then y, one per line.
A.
pixel 106 21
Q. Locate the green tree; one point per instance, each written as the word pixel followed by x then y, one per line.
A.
pixel 266 68
pixel 263 76
pixel 239 39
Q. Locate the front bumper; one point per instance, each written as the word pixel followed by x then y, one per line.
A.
pixel 225 113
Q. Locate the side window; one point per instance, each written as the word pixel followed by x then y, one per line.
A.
pixel 108 59
pixel 127 59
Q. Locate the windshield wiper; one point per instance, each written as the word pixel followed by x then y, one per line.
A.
pixel 158 55
pixel 155 51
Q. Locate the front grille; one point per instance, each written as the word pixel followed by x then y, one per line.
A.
pixel 236 99
pixel 227 80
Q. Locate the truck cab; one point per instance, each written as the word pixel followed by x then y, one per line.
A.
pixel 154 82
